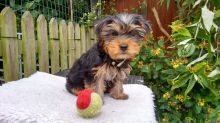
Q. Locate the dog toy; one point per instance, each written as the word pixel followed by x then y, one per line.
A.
pixel 88 103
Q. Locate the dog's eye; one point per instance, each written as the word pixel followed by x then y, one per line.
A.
pixel 114 33
pixel 134 33
pixel 136 22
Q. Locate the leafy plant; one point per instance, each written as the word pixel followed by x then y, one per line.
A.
pixel 185 79
pixel 88 18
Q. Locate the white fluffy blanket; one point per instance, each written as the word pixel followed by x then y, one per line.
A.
pixel 42 98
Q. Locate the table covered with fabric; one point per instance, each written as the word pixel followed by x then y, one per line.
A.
pixel 42 98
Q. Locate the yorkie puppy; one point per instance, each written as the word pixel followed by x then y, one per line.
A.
pixel 105 66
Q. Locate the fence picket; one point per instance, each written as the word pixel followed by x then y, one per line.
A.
pixel 83 38
pixel 42 37
pixel 88 40
pixel 0 48
pixel 63 44
pixel 77 41
pixel 9 44
pixel 28 44
pixel 66 43
pixel 92 35
pixel 54 46
pixel 71 44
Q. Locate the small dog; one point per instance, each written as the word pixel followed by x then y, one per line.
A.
pixel 105 66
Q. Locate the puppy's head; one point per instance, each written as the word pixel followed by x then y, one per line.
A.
pixel 120 35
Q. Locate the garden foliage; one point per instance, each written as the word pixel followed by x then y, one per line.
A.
pixel 185 76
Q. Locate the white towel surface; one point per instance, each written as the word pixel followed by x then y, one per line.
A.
pixel 42 98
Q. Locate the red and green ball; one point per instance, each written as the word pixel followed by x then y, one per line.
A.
pixel 88 103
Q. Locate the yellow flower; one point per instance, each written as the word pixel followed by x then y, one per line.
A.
pixel 201 102
pixel 140 64
pixel 208 69
pixel 210 109
pixel 181 98
pixel 176 66
pixel 173 104
pixel 172 39
pixel 187 97
pixel 176 63
pixel 178 107
pixel 192 69
pixel 179 27
pixel 166 95
pixel 156 51
pixel 165 120
pixel 189 24
pixel 185 60
pixel 204 45
pixel 173 82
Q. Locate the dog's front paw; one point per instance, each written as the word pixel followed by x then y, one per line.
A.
pixel 120 96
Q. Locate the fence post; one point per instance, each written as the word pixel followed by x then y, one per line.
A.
pixel 83 38
pixel 77 41
pixel 88 43
pixel 54 46
pixel 42 37
pixel 71 44
pixel 92 35
pixel 63 44
pixel 28 44
pixel 9 44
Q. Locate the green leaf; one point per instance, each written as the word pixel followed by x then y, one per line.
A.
pixel 217 3
pixel 184 32
pixel 217 13
pixel 207 17
pixel 28 5
pixel 214 113
pixel 217 64
pixel 12 3
pixel 185 41
pixel 197 60
pixel 214 72
pixel 202 81
pixel 37 1
pixel 161 43
pixel 145 69
pixel 188 104
pixel 168 3
pixel 159 66
pixel 133 64
pixel 196 3
pixel 169 71
pixel 155 75
pixel 181 81
pixel 182 69
pixel 187 50
pixel 191 84
pixel 198 109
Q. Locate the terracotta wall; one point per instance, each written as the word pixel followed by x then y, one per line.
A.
pixel 166 15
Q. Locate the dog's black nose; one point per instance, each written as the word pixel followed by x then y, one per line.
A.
pixel 123 47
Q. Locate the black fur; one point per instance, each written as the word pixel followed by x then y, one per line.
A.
pixel 82 69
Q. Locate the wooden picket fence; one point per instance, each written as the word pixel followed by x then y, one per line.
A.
pixel 53 49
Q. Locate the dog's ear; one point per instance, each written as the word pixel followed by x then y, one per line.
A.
pixel 147 26
pixel 139 20
pixel 101 23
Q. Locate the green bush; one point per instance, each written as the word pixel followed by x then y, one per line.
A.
pixel 185 77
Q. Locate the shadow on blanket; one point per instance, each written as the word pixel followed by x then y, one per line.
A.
pixel 131 80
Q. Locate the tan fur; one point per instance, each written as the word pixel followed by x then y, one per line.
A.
pixel 91 86
pixel 108 72
pixel 113 49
